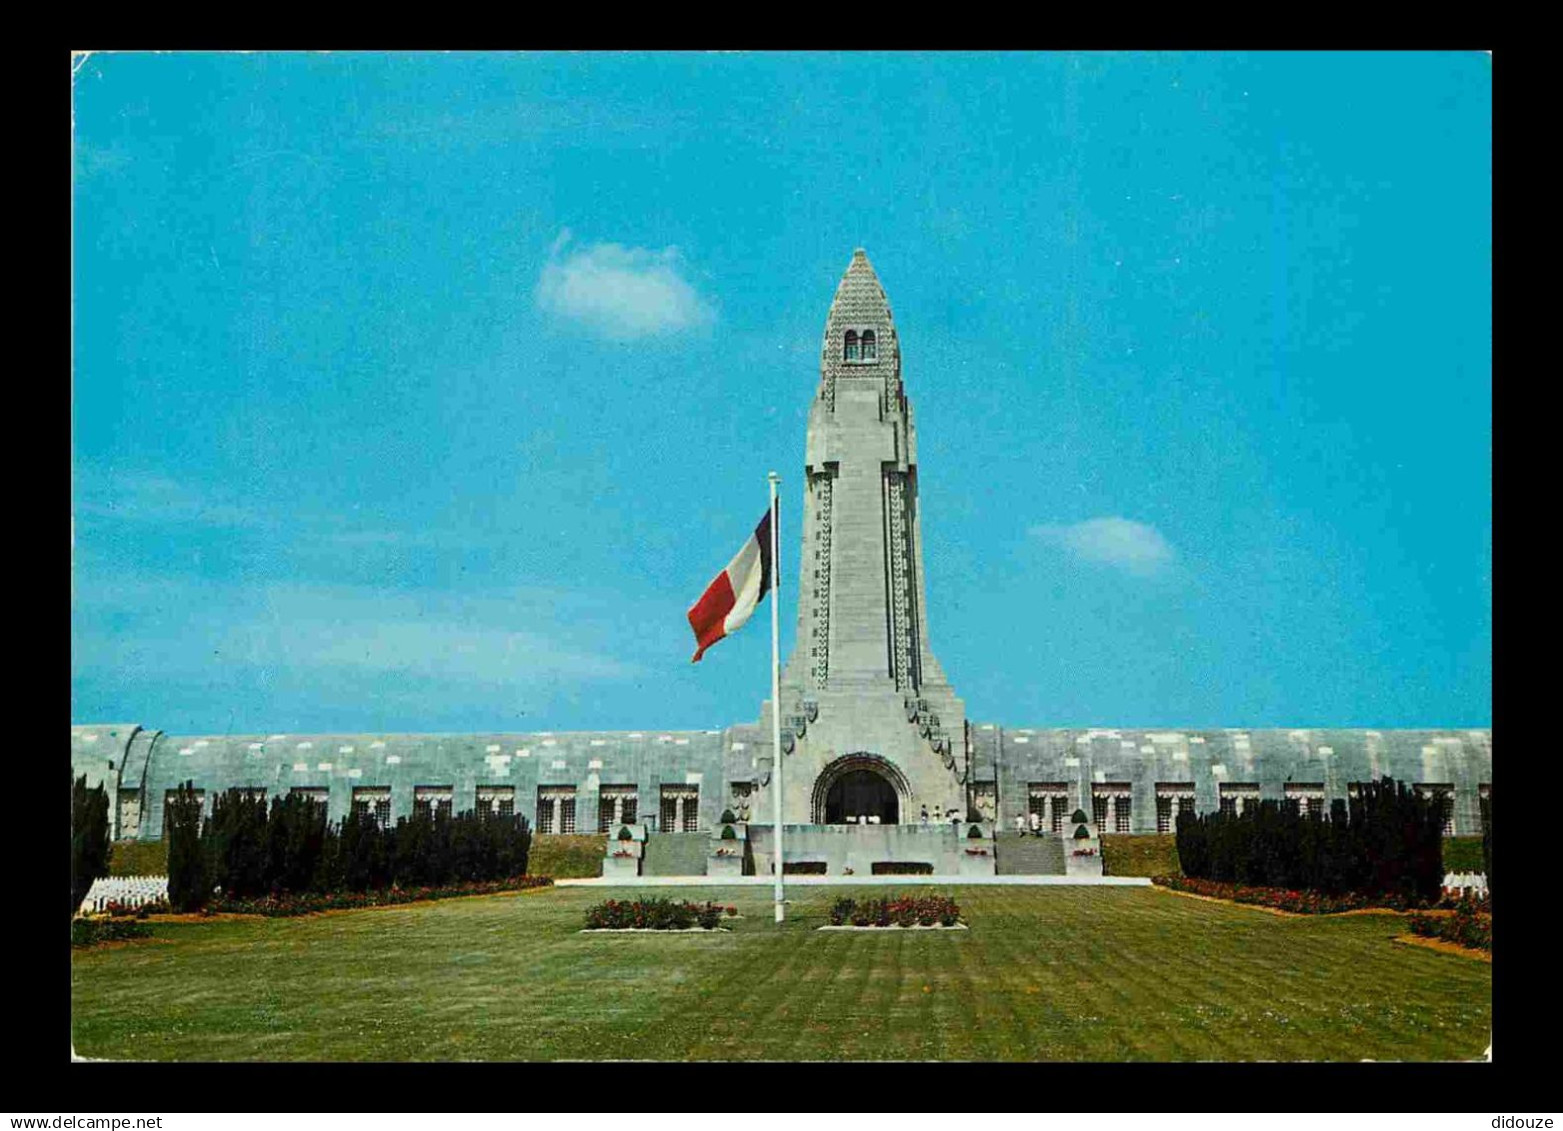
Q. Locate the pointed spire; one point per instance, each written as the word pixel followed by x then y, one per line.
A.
pixel 860 297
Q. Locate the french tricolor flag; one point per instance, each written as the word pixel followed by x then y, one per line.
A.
pixel 730 600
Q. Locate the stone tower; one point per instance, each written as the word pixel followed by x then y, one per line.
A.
pixel 862 694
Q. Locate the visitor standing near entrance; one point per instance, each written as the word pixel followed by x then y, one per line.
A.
pixel 1036 824
pixel 925 814
pixel 1020 824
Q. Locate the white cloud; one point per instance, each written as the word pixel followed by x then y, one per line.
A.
pixel 620 292
pixel 1132 547
pixel 183 629
pixel 141 497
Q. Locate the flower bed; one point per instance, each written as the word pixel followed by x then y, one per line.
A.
pixel 1305 902
pixel 117 910
pixel 91 932
pixel 655 915
pixel 1470 926
pixel 1083 852
pixel 307 903
pixel 902 911
pixel 1456 899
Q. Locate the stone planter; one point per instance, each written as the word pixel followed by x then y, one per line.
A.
pixel 1082 865
pixel 977 865
pixel 621 866
pixel 725 865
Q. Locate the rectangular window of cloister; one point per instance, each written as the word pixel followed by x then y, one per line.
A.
pixel 1173 798
pixel 374 800
pixel 1444 792
pixel 1237 796
pixel 615 807
pixel 432 800
pixel 311 793
pixel 1309 796
pixel 556 808
pixel 1049 800
pixel 680 808
pixel 1110 802
pixel 496 801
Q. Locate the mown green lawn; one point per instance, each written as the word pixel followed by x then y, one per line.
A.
pixel 1054 973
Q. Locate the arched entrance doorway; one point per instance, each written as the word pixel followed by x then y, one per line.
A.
pixel 856 787
pixel 861 796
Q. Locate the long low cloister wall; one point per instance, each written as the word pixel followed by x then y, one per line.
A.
pixel 1132 781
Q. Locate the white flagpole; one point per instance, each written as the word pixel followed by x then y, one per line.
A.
pixel 776 750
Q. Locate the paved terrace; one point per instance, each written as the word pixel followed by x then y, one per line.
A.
pixel 848 881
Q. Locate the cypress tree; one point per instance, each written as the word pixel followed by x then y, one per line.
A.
pixel 1487 840
pixel 189 883
pixel 89 838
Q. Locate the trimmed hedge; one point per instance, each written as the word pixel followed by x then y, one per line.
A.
pixel 248 852
pixel 1463 854
pixel 1140 855
pixel 901 868
pixel 91 932
pixel 803 867
pixel 286 904
pixel 1388 840
pixel 139 858
pixel 568 855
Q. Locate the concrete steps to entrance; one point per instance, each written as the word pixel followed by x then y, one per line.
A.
pixel 675 854
pixel 1016 855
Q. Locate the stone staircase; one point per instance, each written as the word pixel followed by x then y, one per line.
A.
pixel 1016 855
pixel 675 854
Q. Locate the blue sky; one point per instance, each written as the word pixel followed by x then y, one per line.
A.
pixel 426 392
